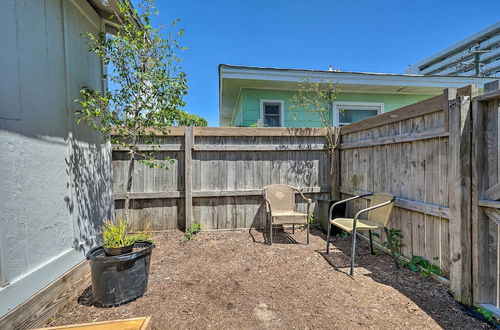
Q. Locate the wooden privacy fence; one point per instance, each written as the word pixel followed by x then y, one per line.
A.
pixel 440 157
pixel 217 176
pixel 426 155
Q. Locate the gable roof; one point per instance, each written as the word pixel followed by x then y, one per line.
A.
pixel 232 78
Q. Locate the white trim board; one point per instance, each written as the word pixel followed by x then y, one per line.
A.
pixel 282 111
pixel 27 285
pixel 362 78
pixel 337 105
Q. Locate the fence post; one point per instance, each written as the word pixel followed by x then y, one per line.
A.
pixel 460 199
pixel 335 173
pixel 484 186
pixel 479 222
pixel 188 177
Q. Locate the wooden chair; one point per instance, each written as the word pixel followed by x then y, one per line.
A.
pixel 379 214
pixel 280 207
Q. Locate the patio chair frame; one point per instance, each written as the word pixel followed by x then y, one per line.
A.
pixel 269 215
pixel 354 229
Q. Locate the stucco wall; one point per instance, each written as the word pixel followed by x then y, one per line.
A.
pixel 250 104
pixel 55 183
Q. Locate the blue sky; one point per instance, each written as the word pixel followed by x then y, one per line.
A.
pixel 373 36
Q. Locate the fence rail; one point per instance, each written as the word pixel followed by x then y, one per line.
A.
pixel 217 175
pixel 439 157
pixel 405 154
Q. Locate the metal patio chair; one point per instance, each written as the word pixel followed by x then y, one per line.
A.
pixel 280 207
pixel 378 216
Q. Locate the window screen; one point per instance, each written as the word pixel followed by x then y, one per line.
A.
pixel 272 113
pixel 348 116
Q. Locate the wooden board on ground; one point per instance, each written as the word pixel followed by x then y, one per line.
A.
pixel 139 323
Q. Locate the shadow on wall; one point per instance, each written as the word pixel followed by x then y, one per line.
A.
pixel 91 192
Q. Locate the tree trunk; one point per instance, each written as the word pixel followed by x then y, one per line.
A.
pixel 129 183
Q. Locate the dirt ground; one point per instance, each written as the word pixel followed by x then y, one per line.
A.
pixel 226 280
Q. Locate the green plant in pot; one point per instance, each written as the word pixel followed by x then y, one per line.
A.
pixel 118 241
pixel 120 267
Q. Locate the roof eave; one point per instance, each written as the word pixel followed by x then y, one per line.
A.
pixel 278 75
pixel 106 9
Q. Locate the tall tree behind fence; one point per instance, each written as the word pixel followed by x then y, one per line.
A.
pixel 217 176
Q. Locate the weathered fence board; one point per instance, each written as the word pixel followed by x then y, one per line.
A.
pixel 440 157
pixel 404 153
pixel 485 204
pixel 217 176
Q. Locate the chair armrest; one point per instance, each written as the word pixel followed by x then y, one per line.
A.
pixel 345 201
pixel 373 208
pixel 308 200
pixel 369 209
pixel 268 202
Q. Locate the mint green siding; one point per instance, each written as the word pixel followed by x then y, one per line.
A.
pixel 238 115
pixel 248 107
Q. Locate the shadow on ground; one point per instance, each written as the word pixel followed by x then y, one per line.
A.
pixel 280 235
pixel 431 296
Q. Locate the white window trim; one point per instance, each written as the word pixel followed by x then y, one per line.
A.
pixel 337 105
pixel 282 111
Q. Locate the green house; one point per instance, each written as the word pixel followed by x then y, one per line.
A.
pixel 254 96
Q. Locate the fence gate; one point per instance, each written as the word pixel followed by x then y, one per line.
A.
pixel 486 200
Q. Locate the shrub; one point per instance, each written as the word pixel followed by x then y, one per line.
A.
pixel 115 235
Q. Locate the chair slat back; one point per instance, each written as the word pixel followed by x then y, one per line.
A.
pixel 280 196
pixel 382 214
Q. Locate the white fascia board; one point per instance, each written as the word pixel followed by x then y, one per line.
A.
pixel 453 48
pixel 350 78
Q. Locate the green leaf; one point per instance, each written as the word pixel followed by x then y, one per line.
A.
pixel 434 269
pixel 150 84
pixel 413 267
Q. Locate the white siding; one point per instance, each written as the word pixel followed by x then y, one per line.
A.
pixel 55 184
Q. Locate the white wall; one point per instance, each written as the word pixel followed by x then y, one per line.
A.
pixel 55 179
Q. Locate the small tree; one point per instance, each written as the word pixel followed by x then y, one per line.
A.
pixel 316 99
pixel 147 86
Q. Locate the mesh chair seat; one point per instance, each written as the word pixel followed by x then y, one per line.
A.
pixel 379 214
pixel 280 207
pixel 346 224
pixel 288 217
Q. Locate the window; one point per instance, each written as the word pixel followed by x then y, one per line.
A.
pixel 349 112
pixel 271 113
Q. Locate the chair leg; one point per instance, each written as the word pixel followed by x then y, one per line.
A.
pixel 293 229
pixel 371 241
pixel 271 232
pixel 328 237
pixel 353 251
pixel 391 248
pixel 307 232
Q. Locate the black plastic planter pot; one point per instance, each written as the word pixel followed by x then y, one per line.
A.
pixel 119 250
pixel 122 278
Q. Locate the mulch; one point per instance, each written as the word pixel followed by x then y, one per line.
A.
pixel 228 280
